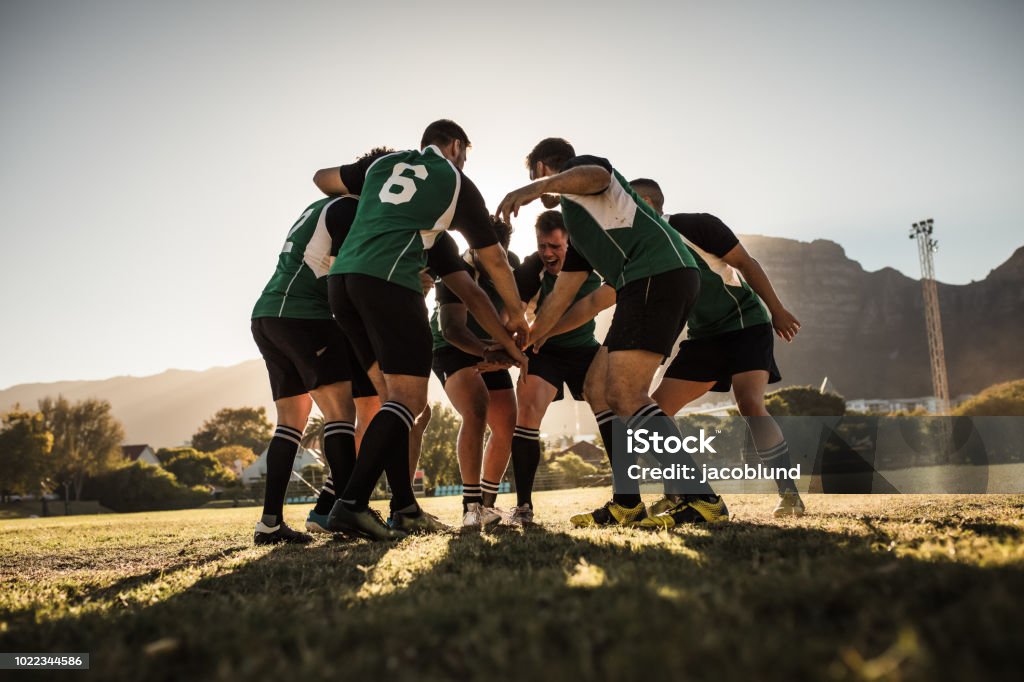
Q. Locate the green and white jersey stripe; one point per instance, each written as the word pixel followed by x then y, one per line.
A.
pixel 621 236
pixel 298 288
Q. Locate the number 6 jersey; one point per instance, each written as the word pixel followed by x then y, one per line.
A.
pixel 406 200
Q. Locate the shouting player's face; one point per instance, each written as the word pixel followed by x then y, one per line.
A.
pixel 551 249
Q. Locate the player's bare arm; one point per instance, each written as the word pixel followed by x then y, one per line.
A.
pixel 452 320
pixel 480 307
pixel 785 323
pixel 328 181
pixel 555 305
pixel 581 312
pixel 495 262
pixel 579 180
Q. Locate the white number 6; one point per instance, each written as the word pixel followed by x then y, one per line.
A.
pixel 400 188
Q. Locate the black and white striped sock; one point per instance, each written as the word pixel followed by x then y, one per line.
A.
pixel 471 493
pixel 777 456
pixel 489 492
pixel 340 451
pixel 385 447
pixel 525 460
pixel 280 458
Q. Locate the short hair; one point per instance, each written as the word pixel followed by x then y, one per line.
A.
pixel 443 132
pixel 551 151
pixel 375 152
pixel 651 188
pixel 503 230
pixel 549 221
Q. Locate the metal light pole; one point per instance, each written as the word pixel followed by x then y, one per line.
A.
pixel 926 246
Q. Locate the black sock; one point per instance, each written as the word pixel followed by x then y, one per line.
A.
pixel 667 426
pixel 490 492
pixel 280 457
pixel 471 493
pixel 386 439
pixel 525 460
pixel 778 457
pixel 340 451
pixel 605 424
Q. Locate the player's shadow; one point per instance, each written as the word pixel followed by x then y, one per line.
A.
pixel 740 601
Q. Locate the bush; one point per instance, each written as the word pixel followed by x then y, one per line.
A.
pixel 804 401
pixel 198 468
pixel 573 468
pixel 1000 400
pixel 142 487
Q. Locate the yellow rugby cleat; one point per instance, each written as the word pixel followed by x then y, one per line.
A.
pixel 610 514
pixel 689 510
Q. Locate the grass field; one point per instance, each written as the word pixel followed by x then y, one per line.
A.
pixel 903 588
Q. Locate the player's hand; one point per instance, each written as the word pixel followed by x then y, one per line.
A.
pixel 426 282
pixel 519 328
pixel 550 200
pixel 494 359
pixel 515 200
pixel 538 343
pixel 786 325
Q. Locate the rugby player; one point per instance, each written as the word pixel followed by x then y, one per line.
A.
pixel 563 360
pixel 611 230
pixel 475 378
pixel 308 359
pixel 407 200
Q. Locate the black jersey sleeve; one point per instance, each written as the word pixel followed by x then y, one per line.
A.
pixel 338 219
pixel 471 217
pixel 443 257
pixel 353 175
pixel 705 231
pixel 528 276
pixel 575 262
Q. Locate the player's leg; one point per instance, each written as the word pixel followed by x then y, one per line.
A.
pixel 468 394
pixel 501 418
pixel 772 449
pixel 419 427
pixel 366 409
pixel 339 444
pixel 386 323
pixel 280 344
pixel 535 396
pixel 673 395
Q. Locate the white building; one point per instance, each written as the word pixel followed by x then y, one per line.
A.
pixel 257 471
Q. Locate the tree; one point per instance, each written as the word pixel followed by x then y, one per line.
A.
pixel 234 457
pixel 246 426
pixel 26 462
pixel 573 468
pixel 804 401
pixel 999 400
pixel 198 468
pixel 86 439
pixel 438 457
pixel 141 487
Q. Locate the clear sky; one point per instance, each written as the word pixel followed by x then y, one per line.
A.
pixel 154 154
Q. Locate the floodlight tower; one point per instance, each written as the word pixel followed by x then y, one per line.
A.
pixel 926 246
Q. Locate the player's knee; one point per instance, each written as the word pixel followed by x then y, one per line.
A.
pixel 751 405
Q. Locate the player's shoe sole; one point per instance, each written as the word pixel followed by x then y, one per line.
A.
pixel 611 514
pixel 317 523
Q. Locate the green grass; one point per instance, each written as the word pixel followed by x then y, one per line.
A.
pixel 907 588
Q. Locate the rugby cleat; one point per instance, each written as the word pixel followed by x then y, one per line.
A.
pixel 281 533
pixel 316 523
pixel 364 524
pixel 419 523
pixel 521 515
pixel 610 514
pixel 663 505
pixel 478 516
pixel 789 504
pixel 690 509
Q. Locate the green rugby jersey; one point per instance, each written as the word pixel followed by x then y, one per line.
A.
pixel 618 234
pixel 406 200
pixel 726 302
pixel 536 284
pixel 298 288
pixel 444 296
